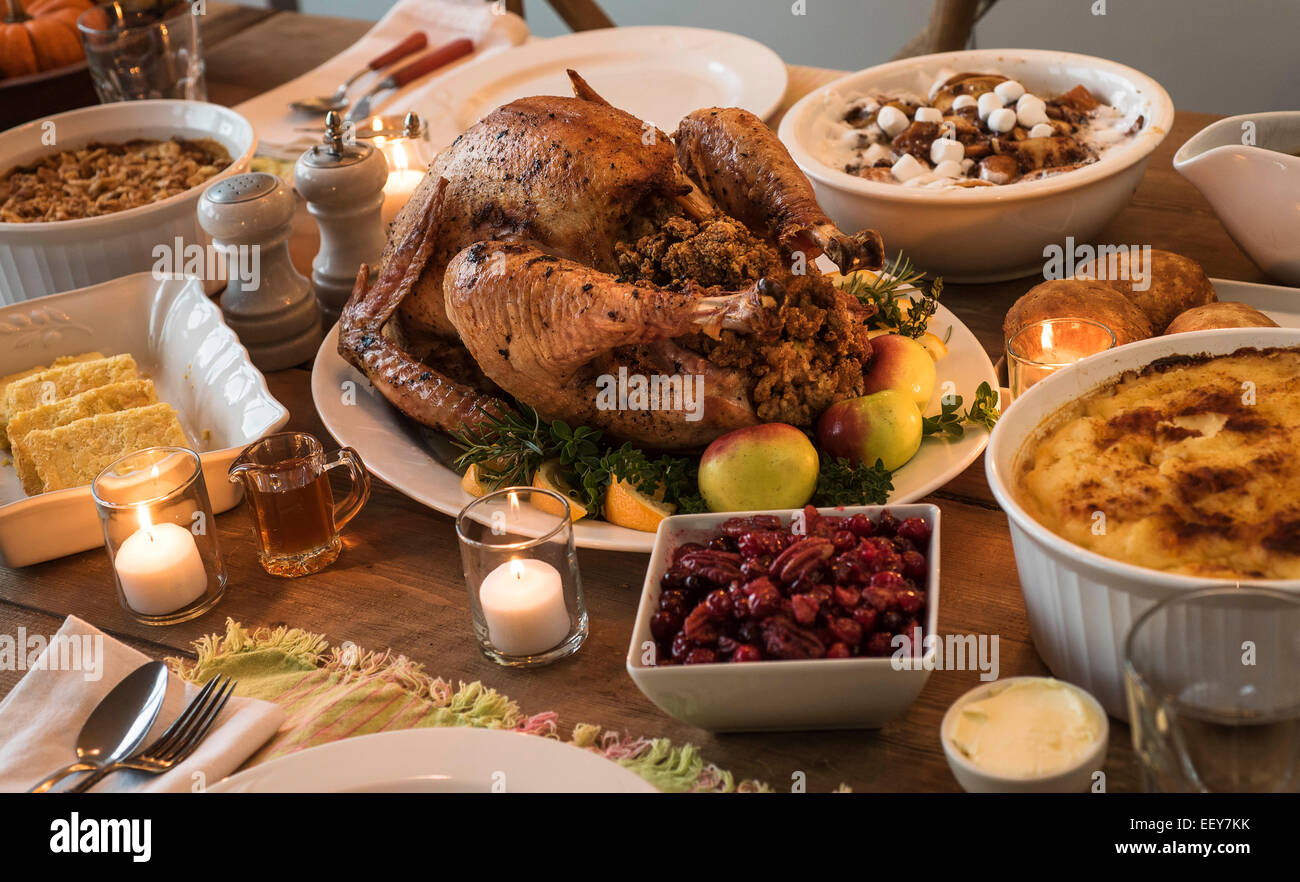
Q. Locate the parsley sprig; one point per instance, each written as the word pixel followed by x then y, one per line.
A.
pixel 951 422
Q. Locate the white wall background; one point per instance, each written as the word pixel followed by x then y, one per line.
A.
pixel 1219 56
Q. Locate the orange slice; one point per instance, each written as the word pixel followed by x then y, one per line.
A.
pixel 551 477
pixel 628 507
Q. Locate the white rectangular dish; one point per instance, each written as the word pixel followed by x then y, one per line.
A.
pixel 179 340
pixel 776 696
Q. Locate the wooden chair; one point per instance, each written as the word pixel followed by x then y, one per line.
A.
pixel 581 15
pixel 949 29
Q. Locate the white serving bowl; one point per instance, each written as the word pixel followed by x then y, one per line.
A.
pixel 1081 604
pixel 178 338
pixel 1254 188
pixel 824 693
pixel 985 234
pixel 973 779
pixel 43 258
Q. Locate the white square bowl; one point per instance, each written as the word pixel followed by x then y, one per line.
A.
pixel 824 693
pixel 179 340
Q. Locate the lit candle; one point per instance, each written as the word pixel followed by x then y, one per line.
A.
pixel 1042 348
pixel 523 604
pixel 405 169
pixel 159 568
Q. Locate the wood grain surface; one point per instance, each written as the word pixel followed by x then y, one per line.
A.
pixel 398 583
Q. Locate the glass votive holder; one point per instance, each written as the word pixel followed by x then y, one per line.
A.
pixel 525 595
pixel 1042 348
pixel 405 143
pixel 160 536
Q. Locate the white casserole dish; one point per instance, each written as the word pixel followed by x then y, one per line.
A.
pixel 985 234
pixel 771 696
pixel 42 258
pixel 179 340
pixel 1080 603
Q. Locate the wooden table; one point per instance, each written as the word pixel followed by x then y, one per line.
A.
pixel 398 583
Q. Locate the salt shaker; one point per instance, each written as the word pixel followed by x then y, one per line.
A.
pixel 343 184
pixel 266 301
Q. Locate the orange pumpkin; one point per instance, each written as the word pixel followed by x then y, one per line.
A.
pixel 41 36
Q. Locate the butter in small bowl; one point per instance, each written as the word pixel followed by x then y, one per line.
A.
pixel 1025 735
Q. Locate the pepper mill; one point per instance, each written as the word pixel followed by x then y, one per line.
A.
pixel 343 184
pixel 266 301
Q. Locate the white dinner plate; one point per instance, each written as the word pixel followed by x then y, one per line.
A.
pixel 1278 302
pixel 439 760
pixel 658 74
pixel 415 460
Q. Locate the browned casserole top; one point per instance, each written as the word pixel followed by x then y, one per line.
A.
pixel 1190 466
pixel 104 178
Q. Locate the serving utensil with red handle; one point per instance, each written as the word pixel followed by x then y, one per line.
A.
pixel 339 99
pixel 440 57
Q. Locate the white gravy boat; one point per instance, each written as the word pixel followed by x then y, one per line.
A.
pixel 1247 167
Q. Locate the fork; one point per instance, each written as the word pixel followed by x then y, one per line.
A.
pixel 178 742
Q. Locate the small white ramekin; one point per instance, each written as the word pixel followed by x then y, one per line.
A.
pixel 1081 604
pixel 973 779
pixel 52 256
pixel 986 234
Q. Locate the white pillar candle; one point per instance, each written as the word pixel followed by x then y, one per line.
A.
pixel 398 191
pixel 523 604
pixel 160 569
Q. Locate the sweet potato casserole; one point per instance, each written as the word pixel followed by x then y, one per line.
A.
pixel 100 179
pixel 1187 466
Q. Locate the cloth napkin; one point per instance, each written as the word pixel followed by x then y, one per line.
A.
pixel 41 716
pixel 487 24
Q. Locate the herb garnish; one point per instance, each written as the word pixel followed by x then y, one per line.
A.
pixel 950 421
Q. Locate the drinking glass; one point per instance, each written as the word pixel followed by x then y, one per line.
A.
pixel 286 480
pixel 160 535
pixel 525 595
pixel 139 49
pixel 1213 683
pixel 1042 348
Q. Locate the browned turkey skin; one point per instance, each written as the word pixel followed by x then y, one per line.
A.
pixel 539 244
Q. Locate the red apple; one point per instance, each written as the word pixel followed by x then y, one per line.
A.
pixel 883 426
pixel 899 362
pixel 772 465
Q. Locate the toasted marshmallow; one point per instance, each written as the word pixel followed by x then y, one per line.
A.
pixel 946 149
pixel 891 120
pixel 1002 120
pixel 1042 130
pixel 1031 111
pixel 948 168
pixel 1009 91
pixel 989 102
pixel 908 167
pixel 877 152
pixel 929 115
pixel 963 101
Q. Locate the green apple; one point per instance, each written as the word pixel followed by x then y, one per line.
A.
pixel 901 363
pixel 772 465
pixel 883 426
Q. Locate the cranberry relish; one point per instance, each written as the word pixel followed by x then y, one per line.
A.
pixel 758 591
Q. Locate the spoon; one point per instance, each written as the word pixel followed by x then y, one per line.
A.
pixel 118 723
pixel 339 99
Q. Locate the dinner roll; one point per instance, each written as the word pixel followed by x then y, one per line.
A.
pixel 1176 283
pixel 1077 298
pixel 1227 314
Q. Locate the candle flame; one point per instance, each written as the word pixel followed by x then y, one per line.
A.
pixel 145 521
pixel 517 569
pixel 1045 338
pixel 514 503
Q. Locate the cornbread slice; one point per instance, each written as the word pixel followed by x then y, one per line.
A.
pixel 72 455
pixel 102 399
pixel 21 375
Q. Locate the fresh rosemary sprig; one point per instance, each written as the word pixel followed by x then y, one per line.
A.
pixel 886 292
pixel 951 422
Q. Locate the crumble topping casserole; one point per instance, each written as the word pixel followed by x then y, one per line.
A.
pixel 100 179
pixel 1192 461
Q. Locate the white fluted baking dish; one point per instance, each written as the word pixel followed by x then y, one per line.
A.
pixel 43 258
pixel 176 335
pixel 1080 603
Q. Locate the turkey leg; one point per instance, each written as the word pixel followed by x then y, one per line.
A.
pixel 745 169
pixel 415 388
